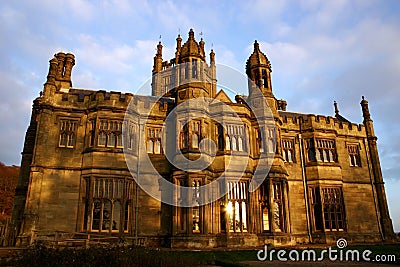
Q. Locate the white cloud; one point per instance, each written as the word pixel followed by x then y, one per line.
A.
pixel 260 10
pixel 113 57
pixel 81 8
pixel 98 59
pixel 172 16
pixel 291 58
pixel 227 57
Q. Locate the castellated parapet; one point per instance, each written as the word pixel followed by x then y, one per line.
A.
pixel 324 182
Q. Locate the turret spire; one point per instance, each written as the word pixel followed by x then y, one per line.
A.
pixel 157 67
pixel 258 69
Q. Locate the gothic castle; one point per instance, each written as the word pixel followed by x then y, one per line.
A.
pixel 323 181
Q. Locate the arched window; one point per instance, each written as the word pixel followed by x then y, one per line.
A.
pixel 240 143
pixel 71 140
pixel 63 139
pixel 116 221
pixel 185 139
pixel 331 156
pixel 265 214
pixel 186 70
pixel 96 215
pixel 195 141
pixel 227 143
pixel 150 146
pixel 181 140
pixel 320 156
pixel 111 140
pixel 290 157
pixel 260 142
pixel 234 143
pixel 271 145
pixel 106 222
pixel 157 147
pixel 277 209
pixel 102 139
pixel 194 68
pixel 220 130
pixel 126 217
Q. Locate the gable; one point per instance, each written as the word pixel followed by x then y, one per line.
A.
pixel 223 97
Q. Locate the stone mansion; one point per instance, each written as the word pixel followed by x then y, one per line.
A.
pixel 323 181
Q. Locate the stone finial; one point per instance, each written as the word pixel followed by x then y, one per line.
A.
pixel 256 45
pixel 365 109
pixel 201 44
pixel 157 67
pixel 159 49
pixel 282 104
pixel 212 57
pixel 336 108
pixel 191 34
pixel 178 43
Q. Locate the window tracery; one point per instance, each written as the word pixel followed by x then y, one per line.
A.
pixel 111 198
pixel 235 139
pixel 288 150
pixel 110 133
pixel 237 206
pixel 153 140
pixel 68 133
pixel 354 155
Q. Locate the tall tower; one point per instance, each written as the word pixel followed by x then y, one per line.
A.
pixel 187 75
pixel 379 185
pixel 258 70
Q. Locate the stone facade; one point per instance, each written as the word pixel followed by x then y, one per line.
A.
pixel 324 180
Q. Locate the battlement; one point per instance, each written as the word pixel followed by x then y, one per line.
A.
pixel 320 122
pixel 85 95
pixel 86 100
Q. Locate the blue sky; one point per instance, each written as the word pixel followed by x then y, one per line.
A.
pixel 320 51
